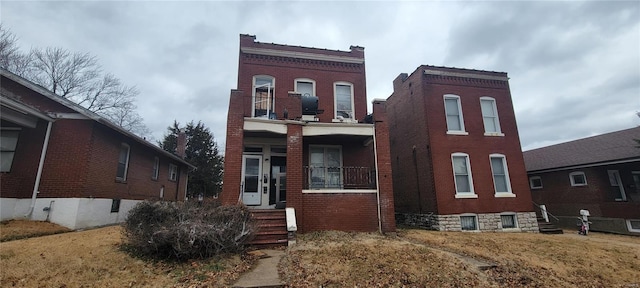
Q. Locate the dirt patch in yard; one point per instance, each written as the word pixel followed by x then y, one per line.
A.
pixel 20 229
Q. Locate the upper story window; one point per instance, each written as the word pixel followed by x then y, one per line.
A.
pixel 344 100
pixel 490 116
pixel 156 168
pixel 8 144
pixel 462 176
pixel 306 87
pixel 123 162
pixel 578 178
pixel 535 182
pixel 453 110
pixel 173 172
pixel 263 96
pixel 500 172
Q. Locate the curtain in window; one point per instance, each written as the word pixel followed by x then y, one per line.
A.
pixel 468 222
pixel 499 174
pixel 453 114
pixel 461 172
pixel 508 221
pixel 325 167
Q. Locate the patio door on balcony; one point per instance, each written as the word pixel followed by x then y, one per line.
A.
pixel 251 179
pixel 325 167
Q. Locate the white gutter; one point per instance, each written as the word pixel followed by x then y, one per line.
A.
pixel 375 156
pixel 43 154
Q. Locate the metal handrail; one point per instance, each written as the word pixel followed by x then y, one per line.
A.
pixel 549 213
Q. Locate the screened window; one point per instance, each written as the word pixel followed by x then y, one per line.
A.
pixel 578 179
pixel 325 167
pixel 8 144
pixel 263 96
pixel 500 173
pixel 462 173
pixel 344 100
pixel 508 221
pixel 173 172
pixel 535 182
pixel 156 167
pixel 468 223
pixel 123 163
pixel 453 109
pixel 490 116
pixel 305 87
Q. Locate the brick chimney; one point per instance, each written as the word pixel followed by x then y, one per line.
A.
pixel 181 146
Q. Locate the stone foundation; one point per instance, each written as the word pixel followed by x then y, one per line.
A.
pixel 487 222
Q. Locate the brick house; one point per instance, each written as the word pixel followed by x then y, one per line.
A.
pixel 65 164
pixel 298 136
pixel 599 173
pixel 455 152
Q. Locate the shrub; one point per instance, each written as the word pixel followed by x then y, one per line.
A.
pixel 186 230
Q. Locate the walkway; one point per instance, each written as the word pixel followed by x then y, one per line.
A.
pixel 265 274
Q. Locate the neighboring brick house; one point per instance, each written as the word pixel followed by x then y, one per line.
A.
pixel 599 173
pixel 65 164
pixel 298 136
pixel 455 151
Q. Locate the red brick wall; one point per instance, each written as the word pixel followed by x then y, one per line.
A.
pixel 294 174
pixel 336 212
pixel 476 145
pixel 233 150
pixel 385 183
pixel 598 196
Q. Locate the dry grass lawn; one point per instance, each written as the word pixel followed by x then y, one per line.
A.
pixel 19 229
pixel 418 258
pixel 93 258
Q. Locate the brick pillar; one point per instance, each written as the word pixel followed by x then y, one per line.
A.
pixel 233 150
pixel 385 179
pixel 295 172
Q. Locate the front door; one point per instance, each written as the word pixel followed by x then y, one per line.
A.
pixel 278 180
pixel 251 179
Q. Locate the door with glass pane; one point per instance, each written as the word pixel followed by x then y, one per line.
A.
pixel 251 182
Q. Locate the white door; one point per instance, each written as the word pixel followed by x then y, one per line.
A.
pixel 251 179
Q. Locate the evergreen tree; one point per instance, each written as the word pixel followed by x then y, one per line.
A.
pixel 201 151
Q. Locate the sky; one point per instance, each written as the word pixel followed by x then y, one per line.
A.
pixel 574 66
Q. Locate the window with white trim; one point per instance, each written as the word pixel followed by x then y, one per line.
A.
pixel 469 222
pixel 453 110
pixel 123 162
pixel 343 97
pixel 325 165
pixel 535 182
pixel 8 144
pixel 263 96
pixel 156 168
pixel 490 116
pixel 462 174
pixel 306 87
pixel 501 182
pixel 173 172
pixel 578 178
pixel 508 221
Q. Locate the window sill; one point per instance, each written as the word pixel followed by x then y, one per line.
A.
pixel 505 195
pixel 119 180
pixel 494 134
pixel 457 133
pixel 467 196
pixel 535 188
pixel 578 185
pixel 346 120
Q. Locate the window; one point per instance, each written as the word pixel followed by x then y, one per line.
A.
pixel 615 181
pixel 535 182
pixel 306 87
pixel 636 180
pixel 468 223
pixel 490 116
pixel 115 205
pixel 578 179
pixel 633 225
pixel 263 96
pixel 344 100
pixel 156 167
pixel 123 163
pixel 8 143
pixel 508 221
pixel 500 173
pixel 453 109
pixel 173 172
pixel 462 175
pixel 325 167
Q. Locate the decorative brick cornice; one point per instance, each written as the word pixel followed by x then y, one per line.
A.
pixel 301 61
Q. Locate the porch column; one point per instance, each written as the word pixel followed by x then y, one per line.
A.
pixel 233 150
pixel 385 180
pixel 295 172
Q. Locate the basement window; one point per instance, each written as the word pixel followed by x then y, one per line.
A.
pixel 508 221
pixel 115 206
pixel 633 225
pixel 469 223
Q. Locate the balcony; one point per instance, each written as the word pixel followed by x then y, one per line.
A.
pixel 339 178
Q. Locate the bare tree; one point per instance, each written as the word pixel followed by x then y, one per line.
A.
pixel 77 77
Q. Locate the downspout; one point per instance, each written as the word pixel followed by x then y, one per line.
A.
pixel 375 156
pixel 43 154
